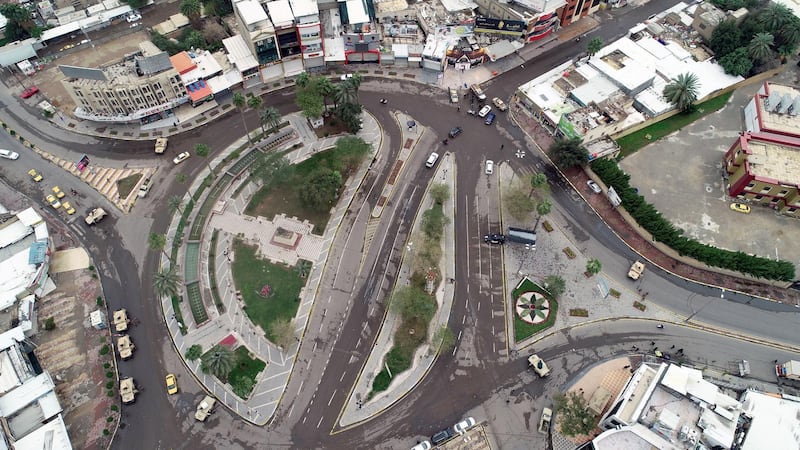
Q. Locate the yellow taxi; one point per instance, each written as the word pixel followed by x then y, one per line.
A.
pixel 37 177
pixel 740 207
pixel 58 192
pixel 68 208
pixel 53 201
pixel 172 384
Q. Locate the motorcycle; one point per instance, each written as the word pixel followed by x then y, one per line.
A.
pixel 384 101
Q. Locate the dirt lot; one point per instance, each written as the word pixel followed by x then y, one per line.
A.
pixel 71 354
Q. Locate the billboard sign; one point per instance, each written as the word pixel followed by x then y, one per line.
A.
pixel 499 26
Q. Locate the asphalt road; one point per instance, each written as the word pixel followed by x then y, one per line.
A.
pixel 154 422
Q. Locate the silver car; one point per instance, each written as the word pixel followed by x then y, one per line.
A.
pixel 8 154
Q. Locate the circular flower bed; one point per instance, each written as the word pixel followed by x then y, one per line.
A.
pixel 533 307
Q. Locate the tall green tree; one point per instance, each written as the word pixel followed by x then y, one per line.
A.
pixel 166 283
pixel 593 266
pixel 175 203
pixel 774 16
pixel 682 91
pixel 440 192
pixel 218 361
pixel 348 92
pixel 327 89
pixel 569 153
pixel 760 47
pixel 240 102
pixel 594 46
pixel 192 10
pixel 544 207
pixel 350 114
pixel 737 62
pixel 281 333
pixel 574 417
pixel 269 117
pixel 217 8
pixel 726 38
pixel 555 285
pixel 158 242
pixel 194 352
pixel 203 151
pixel 254 101
pixel 517 200
pixel 538 181
pixel 322 188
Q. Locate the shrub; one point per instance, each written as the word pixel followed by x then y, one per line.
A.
pixel 569 252
pixel 106 432
pixel 106 365
pixel 109 374
pixel 110 419
pixel 579 312
pixel 114 408
pixel 640 306
pixel 104 349
pixel 50 324
pixel 109 384
pixel 110 393
pixel 99 301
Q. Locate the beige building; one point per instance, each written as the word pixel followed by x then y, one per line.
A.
pixel 138 89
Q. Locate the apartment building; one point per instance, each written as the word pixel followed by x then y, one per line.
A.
pixel 259 34
pixel 309 30
pixel 575 9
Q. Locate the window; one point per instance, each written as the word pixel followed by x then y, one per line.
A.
pixel 702 26
pixel 759 197
pixel 749 186
pixel 783 193
pixel 791 210
pixel 766 189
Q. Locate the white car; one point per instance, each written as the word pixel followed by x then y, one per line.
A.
pixel 181 157
pixel 424 445
pixel 489 167
pixel 484 111
pixel 133 17
pixel 464 425
pixel 8 154
pixel 594 187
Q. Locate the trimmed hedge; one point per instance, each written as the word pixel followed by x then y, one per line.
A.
pixel 663 231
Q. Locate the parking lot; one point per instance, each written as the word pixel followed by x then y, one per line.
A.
pixel 681 175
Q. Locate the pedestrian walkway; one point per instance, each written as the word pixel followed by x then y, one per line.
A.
pixel 231 325
pixel 360 406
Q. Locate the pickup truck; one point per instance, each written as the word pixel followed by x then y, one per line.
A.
pixel 544 422
pixel 95 215
pixel 478 92
pixel 453 95
pixel 161 145
pixel 125 346
pixel 127 390
pixel 205 408
pixel 539 366
pixel 636 270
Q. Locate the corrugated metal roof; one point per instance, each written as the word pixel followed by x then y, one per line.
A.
pixel 149 65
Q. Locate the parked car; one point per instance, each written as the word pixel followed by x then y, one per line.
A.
pixel 594 187
pixel 740 207
pixel 455 132
pixel 172 384
pixel 37 177
pixel 30 92
pixel 441 436
pixel 424 445
pixel 453 99
pixel 133 17
pixel 494 238
pixel 500 104
pixel 432 160
pixel 8 154
pixel 53 201
pixel 484 111
pixel 58 192
pixel 464 425
pixel 490 118
pixel 489 167
pixel 68 208
pixel 181 157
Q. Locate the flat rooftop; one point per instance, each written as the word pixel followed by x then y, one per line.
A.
pixel 783 123
pixel 774 160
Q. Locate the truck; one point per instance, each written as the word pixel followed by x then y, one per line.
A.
pixel 127 390
pixel 205 408
pixel 476 89
pixel 636 270
pixel 161 145
pixel 453 95
pixel 125 346
pixel 95 215
pixel 544 422
pixel 538 365
pixel 144 188
pixel 121 320
pixel 789 369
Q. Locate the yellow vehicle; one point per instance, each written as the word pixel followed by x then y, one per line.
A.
pixel 53 201
pixel 37 177
pixel 172 384
pixel 58 192
pixel 121 320
pixel 68 208
pixel 127 390
pixel 125 347
pixel 636 270
pixel 740 207
pixel 161 145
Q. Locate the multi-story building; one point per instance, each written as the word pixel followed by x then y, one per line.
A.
pixel 309 30
pixel 539 18
pixel 765 168
pixel 286 34
pixel 575 9
pixel 259 34
pixel 141 88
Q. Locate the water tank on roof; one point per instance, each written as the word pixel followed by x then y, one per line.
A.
pixel 786 102
pixel 773 101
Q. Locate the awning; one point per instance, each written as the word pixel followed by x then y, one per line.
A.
pixel 198 90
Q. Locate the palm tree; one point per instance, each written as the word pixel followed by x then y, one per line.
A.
pixel 544 207
pixel 303 268
pixel 569 153
pixel 218 361
pixel 271 117
pixel 254 101
pixel 538 181
pixel 175 203
pixel 327 89
pixel 774 16
pixel 347 92
pixel 594 46
pixel 302 79
pixel 191 9
pixel 157 242
pixel 682 92
pixel 203 150
pixel 166 283
pixel 593 266
pixel 239 102
pixel 760 47
pixel 790 34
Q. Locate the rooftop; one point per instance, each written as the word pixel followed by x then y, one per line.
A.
pixel 779 109
pixel 280 13
pixel 251 12
pixel 302 8
pixel 239 53
pixel 772 156
pixel 774 424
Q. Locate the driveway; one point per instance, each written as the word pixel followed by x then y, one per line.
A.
pixel 681 175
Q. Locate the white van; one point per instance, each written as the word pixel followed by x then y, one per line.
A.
pixel 432 160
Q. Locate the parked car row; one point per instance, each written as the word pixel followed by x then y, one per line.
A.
pixel 448 433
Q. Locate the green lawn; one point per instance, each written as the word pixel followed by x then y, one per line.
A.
pixel 270 200
pixel 634 141
pixel 524 330
pixel 125 185
pixel 251 273
pixel 246 366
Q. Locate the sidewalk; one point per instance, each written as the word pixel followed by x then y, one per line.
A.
pixel 357 408
pixel 232 325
